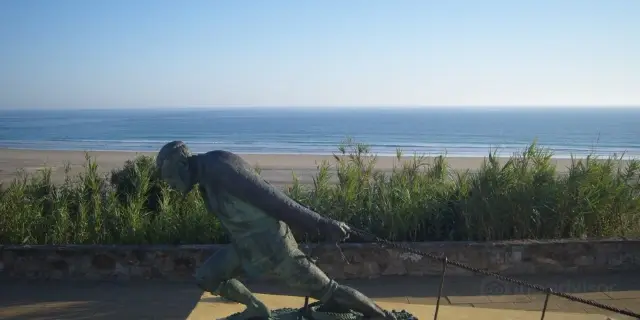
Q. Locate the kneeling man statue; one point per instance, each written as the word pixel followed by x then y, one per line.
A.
pixel 257 216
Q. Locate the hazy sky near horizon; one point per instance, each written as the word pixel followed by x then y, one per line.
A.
pixel 162 53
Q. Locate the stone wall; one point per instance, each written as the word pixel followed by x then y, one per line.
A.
pixel 364 260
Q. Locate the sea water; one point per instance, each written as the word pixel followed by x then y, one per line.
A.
pixel 458 132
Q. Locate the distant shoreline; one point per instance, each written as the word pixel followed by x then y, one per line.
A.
pixel 405 153
pixel 276 168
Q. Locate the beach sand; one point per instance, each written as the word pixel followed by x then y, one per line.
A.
pixel 276 169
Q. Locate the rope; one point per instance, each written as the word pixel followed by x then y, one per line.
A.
pixel 548 291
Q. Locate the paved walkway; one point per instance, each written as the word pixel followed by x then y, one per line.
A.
pixel 162 300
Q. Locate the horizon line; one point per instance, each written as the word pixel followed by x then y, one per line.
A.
pixel 289 107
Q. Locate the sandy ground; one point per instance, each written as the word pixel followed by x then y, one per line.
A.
pixel 277 169
pixel 464 297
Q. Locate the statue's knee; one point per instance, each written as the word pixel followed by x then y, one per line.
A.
pixel 206 281
pixel 326 293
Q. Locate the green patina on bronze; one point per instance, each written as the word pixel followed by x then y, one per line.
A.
pixel 257 217
pixel 315 312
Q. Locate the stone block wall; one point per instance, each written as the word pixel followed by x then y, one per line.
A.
pixel 363 260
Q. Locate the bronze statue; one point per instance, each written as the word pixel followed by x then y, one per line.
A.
pixel 256 216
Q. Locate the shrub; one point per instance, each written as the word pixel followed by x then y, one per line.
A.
pixel 419 200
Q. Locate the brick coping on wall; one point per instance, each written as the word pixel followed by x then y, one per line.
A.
pixel 365 260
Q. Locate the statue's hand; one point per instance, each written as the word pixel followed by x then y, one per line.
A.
pixel 335 231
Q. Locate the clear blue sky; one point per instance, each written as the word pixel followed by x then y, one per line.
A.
pixel 167 53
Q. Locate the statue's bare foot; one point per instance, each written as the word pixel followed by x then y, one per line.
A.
pixel 387 316
pixel 256 310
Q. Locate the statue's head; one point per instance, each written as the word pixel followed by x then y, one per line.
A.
pixel 173 163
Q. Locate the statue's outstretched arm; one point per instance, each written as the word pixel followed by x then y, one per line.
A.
pixel 252 188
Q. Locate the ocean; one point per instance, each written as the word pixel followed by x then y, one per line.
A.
pixel 456 132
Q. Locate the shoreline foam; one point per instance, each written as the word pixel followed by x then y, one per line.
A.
pixel 501 152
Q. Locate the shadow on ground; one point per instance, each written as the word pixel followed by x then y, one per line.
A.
pixel 395 286
pixel 96 300
pixel 76 300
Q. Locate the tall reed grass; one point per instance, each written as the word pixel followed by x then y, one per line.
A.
pixel 420 200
